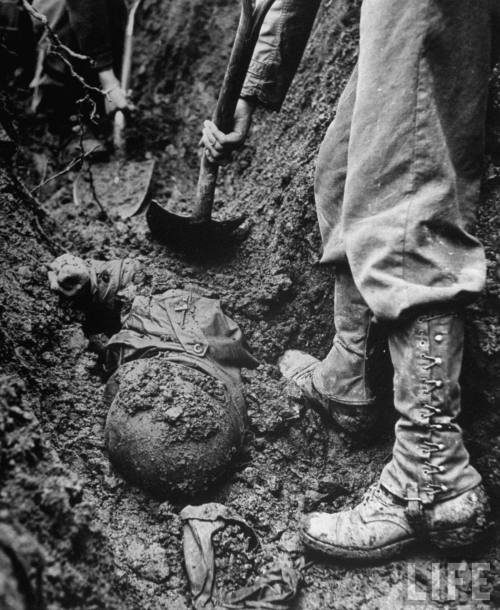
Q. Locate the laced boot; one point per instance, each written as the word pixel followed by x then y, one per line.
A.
pixel 429 491
pixel 338 385
pixel 381 526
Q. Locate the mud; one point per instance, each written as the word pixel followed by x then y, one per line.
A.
pixel 106 544
pixel 169 429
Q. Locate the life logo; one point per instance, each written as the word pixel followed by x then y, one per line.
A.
pixel 448 582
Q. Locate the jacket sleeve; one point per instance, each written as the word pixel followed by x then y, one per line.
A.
pixel 283 38
pixel 90 22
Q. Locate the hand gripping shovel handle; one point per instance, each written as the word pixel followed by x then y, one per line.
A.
pixel 119 119
pixel 241 55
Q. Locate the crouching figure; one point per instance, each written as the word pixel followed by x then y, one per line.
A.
pixel 177 412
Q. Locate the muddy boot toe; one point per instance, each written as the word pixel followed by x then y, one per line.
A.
pixel 299 368
pixel 377 528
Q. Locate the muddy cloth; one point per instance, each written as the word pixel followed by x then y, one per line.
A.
pixel 191 329
pixel 347 374
pixel 94 28
pixel 276 589
pixel 398 173
pixel 200 525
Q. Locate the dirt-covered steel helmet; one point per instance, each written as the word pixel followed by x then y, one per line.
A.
pixel 171 428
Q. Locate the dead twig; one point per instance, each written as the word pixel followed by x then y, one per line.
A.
pixel 61 50
pixel 95 196
pixel 78 160
pixel 53 37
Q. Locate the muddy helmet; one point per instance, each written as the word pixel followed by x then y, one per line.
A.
pixel 171 428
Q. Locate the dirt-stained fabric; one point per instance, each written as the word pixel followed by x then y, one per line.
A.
pixel 281 43
pixel 398 174
pixel 200 525
pixel 275 589
pixel 191 328
pixel 399 171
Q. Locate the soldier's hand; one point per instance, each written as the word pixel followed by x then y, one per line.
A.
pixel 115 98
pixel 68 275
pixel 219 145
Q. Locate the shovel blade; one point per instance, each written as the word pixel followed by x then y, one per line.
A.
pixel 182 229
pixel 121 187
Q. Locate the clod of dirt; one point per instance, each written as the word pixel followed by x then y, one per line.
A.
pixel 235 558
pixel 170 428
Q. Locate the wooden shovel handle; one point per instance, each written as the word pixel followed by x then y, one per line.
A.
pixel 241 55
pixel 128 45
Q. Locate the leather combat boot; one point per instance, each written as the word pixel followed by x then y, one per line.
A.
pixel 381 526
pixel 428 491
pixel 338 385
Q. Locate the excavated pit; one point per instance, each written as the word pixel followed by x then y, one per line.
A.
pixel 104 544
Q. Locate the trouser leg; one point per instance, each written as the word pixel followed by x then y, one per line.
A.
pixel 339 384
pixel 330 175
pixel 415 154
pixel 343 376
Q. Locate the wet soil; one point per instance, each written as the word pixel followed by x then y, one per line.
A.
pixel 105 544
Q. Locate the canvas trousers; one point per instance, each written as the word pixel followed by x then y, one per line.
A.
pixel 398 174
pixel 397 185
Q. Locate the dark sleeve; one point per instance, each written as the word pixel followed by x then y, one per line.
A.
pixel 281 44
pixel 90 22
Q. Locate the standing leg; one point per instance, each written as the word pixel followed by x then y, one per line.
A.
pixel 415 162
pixel 331 172
pixel 429 489
pixel 339 384
pixel 416 154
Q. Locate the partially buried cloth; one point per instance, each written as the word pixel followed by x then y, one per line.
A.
pixel 177 412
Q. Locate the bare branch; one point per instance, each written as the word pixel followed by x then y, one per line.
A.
pixel 73 163
pixel 61 50
pixel 75 74
pixel 53 37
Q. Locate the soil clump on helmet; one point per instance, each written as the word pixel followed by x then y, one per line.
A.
pixel 171 429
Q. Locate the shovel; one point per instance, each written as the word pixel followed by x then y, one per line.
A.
pixel 122 186
pixel 198 226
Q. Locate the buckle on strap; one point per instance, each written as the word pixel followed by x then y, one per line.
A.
pixel 414 509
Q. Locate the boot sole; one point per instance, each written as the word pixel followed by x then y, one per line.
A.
pixel 340 552
pixel 456 539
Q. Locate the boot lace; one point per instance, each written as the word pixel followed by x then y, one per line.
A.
pixel 428 412
pixel 370 494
